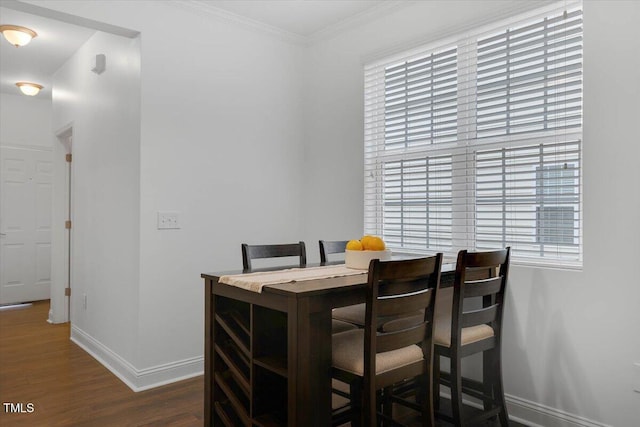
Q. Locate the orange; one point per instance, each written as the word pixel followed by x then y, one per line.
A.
pixel 375 244
pixel 354 245
pixel 372 243
pixel 365 241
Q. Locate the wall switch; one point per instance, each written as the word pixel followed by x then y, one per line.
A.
pixel 84 301
pixel 636 377
pixel 168 220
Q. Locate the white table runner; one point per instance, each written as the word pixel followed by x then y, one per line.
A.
pixel 256 281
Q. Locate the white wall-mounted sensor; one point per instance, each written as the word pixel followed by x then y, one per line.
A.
pixel 101 64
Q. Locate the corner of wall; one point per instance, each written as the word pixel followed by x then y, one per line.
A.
pixel 137 379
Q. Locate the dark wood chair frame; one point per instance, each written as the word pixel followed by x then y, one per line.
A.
pixel 328 247
pixel 395 288
pixel 492 290
pixel 250 252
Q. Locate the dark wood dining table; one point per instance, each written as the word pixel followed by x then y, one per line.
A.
pixel 268 354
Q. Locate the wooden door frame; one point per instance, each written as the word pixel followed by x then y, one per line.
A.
pixel 64 199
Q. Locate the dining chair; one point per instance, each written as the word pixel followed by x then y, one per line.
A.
pixel 328 247
pixel 251 252
pixel 461 331
pixel 372 361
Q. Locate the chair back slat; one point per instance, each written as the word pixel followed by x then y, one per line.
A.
pixel 479 317
pixel 480 288
pixel 407 270
pixel 387 341
pixel 250 252
pixel 480 273
pixel 485 259
pixel 328 247
pixel 406 286
pixel 394 305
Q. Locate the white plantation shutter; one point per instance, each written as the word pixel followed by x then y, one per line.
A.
pixel 476 143
pixel 420 101
pixel 530 78
pixel 417 203
pixel 529 197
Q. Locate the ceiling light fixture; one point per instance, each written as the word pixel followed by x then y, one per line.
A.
pixel 30 89
pixel 17 35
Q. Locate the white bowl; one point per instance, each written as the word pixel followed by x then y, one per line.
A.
pixel 360 260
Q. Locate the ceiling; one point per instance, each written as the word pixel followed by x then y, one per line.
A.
pixel 57 41
pixel 303 18
pixel 36 62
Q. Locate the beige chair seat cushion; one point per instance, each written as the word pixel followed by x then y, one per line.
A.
pixel 338 326
pixel 353 314
pixel 442 316
pixel 348 354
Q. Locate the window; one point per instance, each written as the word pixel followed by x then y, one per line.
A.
pixel 476 143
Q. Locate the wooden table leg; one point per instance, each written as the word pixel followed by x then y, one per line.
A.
pixel 209 304
pixel 309 356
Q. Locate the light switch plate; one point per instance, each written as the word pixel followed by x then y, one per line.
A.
pixel 636 377
pixel 168 220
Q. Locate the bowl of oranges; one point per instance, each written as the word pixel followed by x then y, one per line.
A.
pixel 359 253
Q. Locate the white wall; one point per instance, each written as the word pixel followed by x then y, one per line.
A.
pixel 570 337
pixel 104 113
pixel 221 126
pixel 25 120
pixel 221 144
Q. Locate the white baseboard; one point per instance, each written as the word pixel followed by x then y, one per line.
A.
pixel 137 379
pixel 536 415
pixel 533 414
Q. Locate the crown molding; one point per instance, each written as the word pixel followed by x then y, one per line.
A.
pixel 439 37
pixel 203 6
pixel 375 12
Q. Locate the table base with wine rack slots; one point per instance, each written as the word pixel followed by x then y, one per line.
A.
pixel 268 354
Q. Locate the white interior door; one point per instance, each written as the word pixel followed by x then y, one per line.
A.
pixel 25 224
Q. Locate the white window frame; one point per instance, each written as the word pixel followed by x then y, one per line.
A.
pixel 463 149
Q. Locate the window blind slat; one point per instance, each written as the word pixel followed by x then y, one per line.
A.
pixel 535 47
pixel 532 31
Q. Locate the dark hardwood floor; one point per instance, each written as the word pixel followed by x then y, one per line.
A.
pixel 67 387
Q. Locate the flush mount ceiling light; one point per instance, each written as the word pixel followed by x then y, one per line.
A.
pixel 17 35
pixel 30 89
